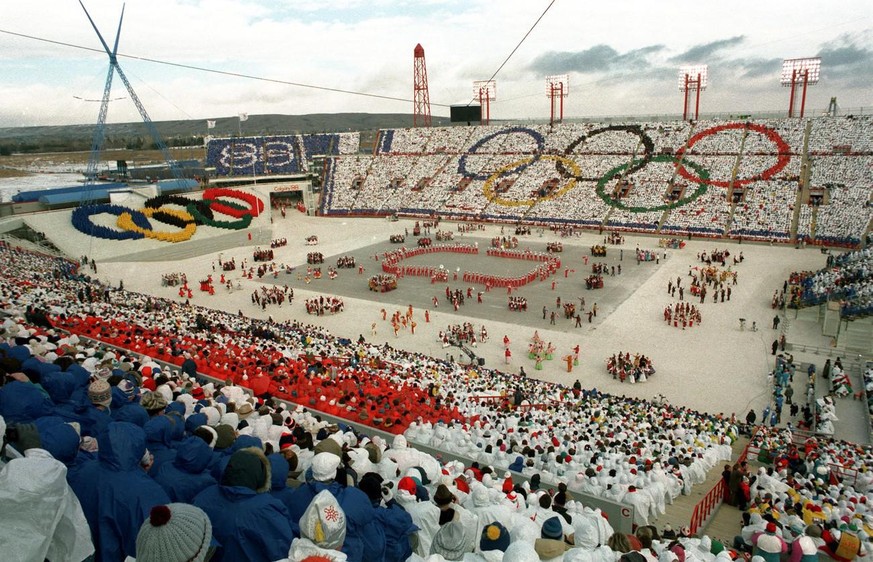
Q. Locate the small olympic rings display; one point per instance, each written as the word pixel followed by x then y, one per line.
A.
pixel 137 224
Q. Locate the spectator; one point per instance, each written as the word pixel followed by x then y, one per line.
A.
pixel 125 493
pixel 188 474
pixel 768 545
pixel 53 528
pixel 249 523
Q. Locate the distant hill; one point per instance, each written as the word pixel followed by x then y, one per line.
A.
pixel 74 137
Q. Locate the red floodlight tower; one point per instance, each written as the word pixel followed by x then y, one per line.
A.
pixel 421 97
pixel 557 88
pixel 799 72
pixel 486 92
pixel 692 78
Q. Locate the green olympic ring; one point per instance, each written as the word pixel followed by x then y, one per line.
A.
pixel 702 174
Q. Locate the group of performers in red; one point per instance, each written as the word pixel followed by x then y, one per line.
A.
pixel 682 314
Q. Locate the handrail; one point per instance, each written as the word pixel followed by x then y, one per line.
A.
pixel 705 507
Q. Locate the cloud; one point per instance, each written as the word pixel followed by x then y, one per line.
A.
pixel 699 53
pixel 599 58
pixel 846 50
pixel 849 59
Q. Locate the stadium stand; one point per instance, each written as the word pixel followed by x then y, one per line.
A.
pixel 739 179
pixel 136 417
pixel 848 279
pixel 283 154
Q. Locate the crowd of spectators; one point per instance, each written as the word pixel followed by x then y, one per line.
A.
pixel 848 278
pixel 812 494
pixel 283 154
pixel 455 171
pixel 130 436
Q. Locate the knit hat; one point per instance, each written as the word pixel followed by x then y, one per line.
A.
pixel 451 541
pixel 286 441
pixel 324 466
pixel 374 452
pixel 226 435
pixel 329 446
pixel 100 393
pixel 771 527
pixel 407 484
pixel 371 484
pixel 442 496
pixel 324 521
pixel 152 401
pixel 174 532
pixel 552 529
pixel 494 537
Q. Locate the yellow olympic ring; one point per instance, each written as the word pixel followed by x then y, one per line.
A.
pixel 491 195
pixel 125 222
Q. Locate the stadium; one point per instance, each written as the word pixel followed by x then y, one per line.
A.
pixel 557 341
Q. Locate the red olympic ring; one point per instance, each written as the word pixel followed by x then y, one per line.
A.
pixel 256 206
pixel 784 152
pixel 135 224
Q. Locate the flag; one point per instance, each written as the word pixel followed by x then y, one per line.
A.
pixel 243 116
pixel 210 124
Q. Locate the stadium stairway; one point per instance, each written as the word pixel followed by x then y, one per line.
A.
pixel 857 335
pixel 727 519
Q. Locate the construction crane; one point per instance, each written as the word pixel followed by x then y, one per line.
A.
pixel 100 130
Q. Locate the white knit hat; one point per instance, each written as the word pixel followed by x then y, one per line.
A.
pixel 175 532
pixel 324 466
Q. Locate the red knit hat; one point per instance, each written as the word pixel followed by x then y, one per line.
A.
pixel 408 484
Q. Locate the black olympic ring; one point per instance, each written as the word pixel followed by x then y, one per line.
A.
pixel 648 149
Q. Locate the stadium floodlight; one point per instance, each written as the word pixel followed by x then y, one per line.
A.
pixel 557 88
pixel 799 72
pixel 558 82
pixel 486 92
pixel 692 74
pixel 485 89
pixel 692 78
pixel 795 69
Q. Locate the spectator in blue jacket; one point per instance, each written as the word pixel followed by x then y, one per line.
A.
pixel 158 432
pixel 249 523
pixel 279 480
pixel 125 493
pixel 21 401
pixel 187 475
pixel 395 522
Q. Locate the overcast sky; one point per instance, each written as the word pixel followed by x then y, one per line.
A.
pixel 622 56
